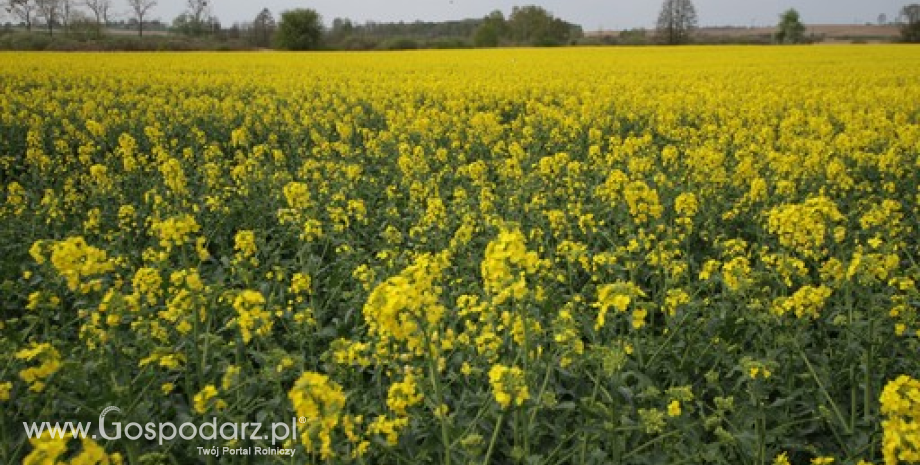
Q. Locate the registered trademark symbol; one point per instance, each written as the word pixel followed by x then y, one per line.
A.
pixel 302 420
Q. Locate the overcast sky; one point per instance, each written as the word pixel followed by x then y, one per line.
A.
pixel 591 14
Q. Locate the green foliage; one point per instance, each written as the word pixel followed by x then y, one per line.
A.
pixel 493 29
pixel 676 21
pixel 910 29
pixel 528 26
pixel 634 37
pixel 263 29
pixel 403 43
pixel 183 24
pixel 533 25
pixel 790 29
pixel 84 27
pixel 78 41
pixel 300 29
pixel 347 35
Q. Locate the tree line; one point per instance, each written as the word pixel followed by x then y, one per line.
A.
pixel 97 15
pixel 298 28
pixel 303 29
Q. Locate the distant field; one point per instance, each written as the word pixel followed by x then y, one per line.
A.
pixel 831 32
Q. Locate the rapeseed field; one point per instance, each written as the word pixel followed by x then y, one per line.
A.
pixel 590 256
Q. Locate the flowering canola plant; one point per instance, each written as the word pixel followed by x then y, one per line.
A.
pixel 606 255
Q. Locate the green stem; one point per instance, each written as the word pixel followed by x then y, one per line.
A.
pixel 4 452
pixel 526 426
pixel 498 425
pixel 196 353
pixel 533 413
pixel 584 439
pixel 562 443
pixel 445 435
pixel 867 379
pixel 827 395
pixel 433 357
pixel 667 341
pixel 853 384
pixel 649 444
pixel 472 425
pixel 853 397
pixel 762 434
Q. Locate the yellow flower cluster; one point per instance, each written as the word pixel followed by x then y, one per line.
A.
pixel 509 386
pixel 175 231
pixel 618 295
pixel 568 336
pixel 203 400
pixel 674 409
pixel 807 302
pixel 301 284
pixel 245 245
pixel 187 300
pixel 321 401
pixel 75 260
pixel 506 264
pixel 901 406
pixel 252 316
pixel 403 395
pixel 406 307
pixel 48 450
pixel 804 227
pixel 5 389
pixel 15 198
pixel 148 285
pixel 49 362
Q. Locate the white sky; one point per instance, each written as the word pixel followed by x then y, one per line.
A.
pixel 591 14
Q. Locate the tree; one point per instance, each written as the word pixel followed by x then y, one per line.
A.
pixel 340 33
pixel 182 24
pixel 22 9
pixel 83 24
pixel 491 31
pixel 910 27
pixel 300 29
pixel 528 23
pixel 212 25
pixel 49 10
pixel 66 12
pixel 100 10
pixel 536 26
pixel 140 8
pixel 676 21
pixel 263 28
pixel 790 29
pixel 198 12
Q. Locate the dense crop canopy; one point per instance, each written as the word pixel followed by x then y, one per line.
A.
pixel 697 255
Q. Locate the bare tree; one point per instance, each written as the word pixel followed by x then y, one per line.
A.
pixel 676 21
pixel 25 10
pixel 910 23
pixel 67 9
pixel 198 13
pixel 263 28
pixel 140 8
pixel 100 9
pixel 49 11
